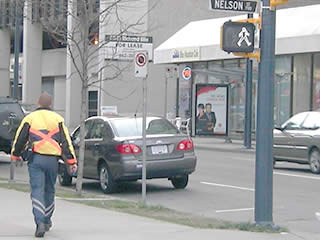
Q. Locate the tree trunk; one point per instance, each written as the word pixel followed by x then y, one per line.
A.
pixel 84 101
pixel 83 116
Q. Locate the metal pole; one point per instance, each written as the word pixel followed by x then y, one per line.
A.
pixel 100 93
pixel 16 52
pixel 166 97
pixel 264 155
pixel 228 137
pixel 248 105
pixel 177 97
pixel 12 165
pixel 16 71
pixel 144 147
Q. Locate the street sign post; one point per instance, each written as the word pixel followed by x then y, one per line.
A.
pixel 233 5
pixel 141 71
pixel 122 47
pixel 238 37
pixel 264 135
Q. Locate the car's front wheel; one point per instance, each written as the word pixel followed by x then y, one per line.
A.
pixel 314 161
pixel 180 182
pixel 107 183
pixel 63 176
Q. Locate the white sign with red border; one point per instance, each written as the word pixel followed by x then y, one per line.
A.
pixel 141 64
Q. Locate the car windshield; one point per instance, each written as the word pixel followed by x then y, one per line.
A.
pixel 131 127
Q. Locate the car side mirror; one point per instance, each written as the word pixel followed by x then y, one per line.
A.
pixel 280 128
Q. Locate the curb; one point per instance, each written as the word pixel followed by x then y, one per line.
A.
pixel 217 149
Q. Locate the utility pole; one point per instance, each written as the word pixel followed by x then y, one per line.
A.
pixel 16 70
pixel 264 137
pixel 16 51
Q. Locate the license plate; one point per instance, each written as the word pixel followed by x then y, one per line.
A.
pixel 160 149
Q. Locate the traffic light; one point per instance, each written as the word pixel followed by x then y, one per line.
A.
pixel 237 37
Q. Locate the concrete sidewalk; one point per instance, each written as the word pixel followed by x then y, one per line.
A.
pixel 220 144
pixel 76 221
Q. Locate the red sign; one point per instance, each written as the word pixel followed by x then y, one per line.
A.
pixel 186 73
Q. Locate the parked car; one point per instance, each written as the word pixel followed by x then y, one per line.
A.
pixel 11 115
pixel 298 140
pixel 113 151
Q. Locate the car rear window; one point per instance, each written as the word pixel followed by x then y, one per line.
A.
pixel 131 127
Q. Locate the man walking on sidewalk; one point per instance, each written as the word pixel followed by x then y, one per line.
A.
pixel 45 131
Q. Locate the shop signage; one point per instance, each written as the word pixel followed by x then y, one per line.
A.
pixel 185 54
pixel 121 47
pixel 233 5
pixel 109 110
pixel 186 73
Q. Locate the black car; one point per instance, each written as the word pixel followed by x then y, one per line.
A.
pixel 113 151
pixel 11 115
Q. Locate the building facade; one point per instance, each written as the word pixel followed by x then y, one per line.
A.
pixel 50 69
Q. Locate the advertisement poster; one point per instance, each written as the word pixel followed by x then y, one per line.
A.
pixel 212 109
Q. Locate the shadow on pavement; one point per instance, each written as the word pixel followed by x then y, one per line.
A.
pixel 129 187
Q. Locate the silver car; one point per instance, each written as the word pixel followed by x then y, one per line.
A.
pixel 113 151
pixel 298 140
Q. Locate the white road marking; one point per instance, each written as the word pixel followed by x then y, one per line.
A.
pixel 317 215
pixel 235 210
pixel 228 186
pixel 295 175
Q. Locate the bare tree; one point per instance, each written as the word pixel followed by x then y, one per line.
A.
pixel 76 24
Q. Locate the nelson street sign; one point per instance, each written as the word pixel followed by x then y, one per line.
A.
pixel 234 5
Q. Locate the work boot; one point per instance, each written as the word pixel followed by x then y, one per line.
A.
pixel 40 231
pixel 47 226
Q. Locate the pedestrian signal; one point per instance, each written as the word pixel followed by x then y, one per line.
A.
pixel 237 37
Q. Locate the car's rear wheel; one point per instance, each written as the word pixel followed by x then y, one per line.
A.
pixel 63 176
pixel 180 182
pixel 314 161
pixel 107 183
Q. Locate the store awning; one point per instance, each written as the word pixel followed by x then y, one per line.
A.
pixel 297 31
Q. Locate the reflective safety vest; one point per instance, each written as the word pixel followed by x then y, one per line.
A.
pixel 46 132
pixel 46 141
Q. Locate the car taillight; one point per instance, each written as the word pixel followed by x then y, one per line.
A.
pixel 128 149
pixel 185 145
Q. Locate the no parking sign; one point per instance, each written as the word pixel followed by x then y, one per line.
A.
pixel 141 64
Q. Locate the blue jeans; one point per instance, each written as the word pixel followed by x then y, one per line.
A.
pixel 43 171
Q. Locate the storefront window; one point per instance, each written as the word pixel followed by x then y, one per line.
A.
pixel 282 89
pixel 316 82
pixel 235 72
pixel 301 83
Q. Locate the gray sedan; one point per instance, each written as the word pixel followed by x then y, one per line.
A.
pixel 113 151
pixel 298 140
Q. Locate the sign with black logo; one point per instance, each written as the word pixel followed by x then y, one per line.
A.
pixel 234 5
pixel 237 37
